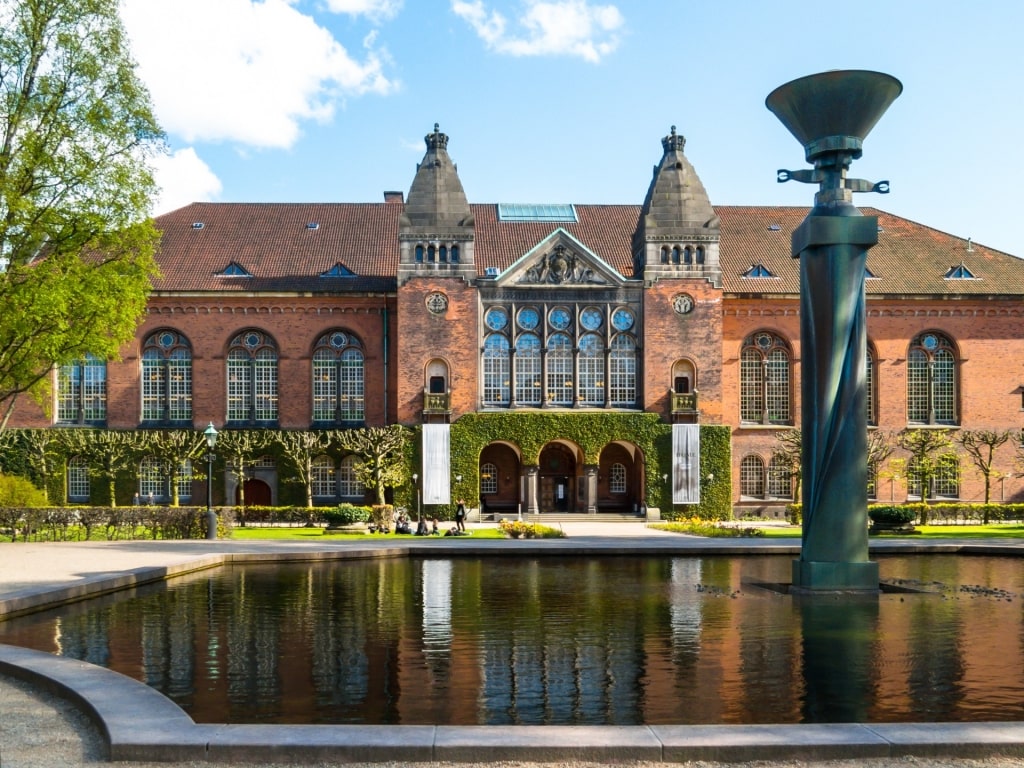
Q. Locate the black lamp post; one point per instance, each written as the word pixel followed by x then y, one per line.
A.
pixel 415 482
pixel 210 433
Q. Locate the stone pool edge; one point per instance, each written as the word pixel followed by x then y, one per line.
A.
pixel 138 723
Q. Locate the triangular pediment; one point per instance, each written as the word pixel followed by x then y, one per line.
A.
pixel 559 261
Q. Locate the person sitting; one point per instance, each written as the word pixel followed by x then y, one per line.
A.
pixel 421 528
pixel 434 531
pixel 403 525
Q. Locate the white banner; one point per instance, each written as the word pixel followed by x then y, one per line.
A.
pixel 436 464
pixel 686 463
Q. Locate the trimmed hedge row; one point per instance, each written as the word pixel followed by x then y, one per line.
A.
pixel 944 512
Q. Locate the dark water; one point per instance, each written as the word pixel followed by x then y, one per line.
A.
pixel 614 640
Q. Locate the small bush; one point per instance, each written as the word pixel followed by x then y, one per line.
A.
pixel 517 529
pixel 345 514
pixel 697 527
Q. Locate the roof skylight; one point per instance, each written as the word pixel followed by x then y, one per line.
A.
pixel 234 269
pixel 537 212
pixel 758 270
pixel 338 270
pixel 960 272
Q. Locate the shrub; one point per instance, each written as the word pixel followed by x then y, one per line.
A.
pixel 517 529
pixel 884 516
pixel 345 514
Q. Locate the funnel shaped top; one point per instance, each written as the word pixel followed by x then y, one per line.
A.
pixel 839 103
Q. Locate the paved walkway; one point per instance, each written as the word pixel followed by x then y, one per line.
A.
pixel 138 724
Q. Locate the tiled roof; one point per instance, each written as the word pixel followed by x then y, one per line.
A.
pixel 274 243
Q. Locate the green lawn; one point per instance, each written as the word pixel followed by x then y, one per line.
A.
pixel 318 534
pixel 993 531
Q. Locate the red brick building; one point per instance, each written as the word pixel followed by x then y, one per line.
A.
pixel 425 309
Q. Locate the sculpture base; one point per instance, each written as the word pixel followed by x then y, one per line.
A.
pixel 809 576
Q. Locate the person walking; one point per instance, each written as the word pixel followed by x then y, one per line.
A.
pixel 460 515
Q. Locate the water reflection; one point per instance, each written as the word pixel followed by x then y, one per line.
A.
pixel 616 640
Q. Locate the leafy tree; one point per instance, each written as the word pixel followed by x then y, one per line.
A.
pixel 981 445
pixel 240 448
pixel 42 452
pixel 880 448
pixel 382 455
pixel 172 448
pixel 17 493
pixel 108 454
pixel 929 451
pixel 76 134
pixel 300 448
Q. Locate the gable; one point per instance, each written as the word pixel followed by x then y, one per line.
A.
pixel 559 260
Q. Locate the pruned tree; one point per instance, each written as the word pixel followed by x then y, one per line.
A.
pixel 240 448
pixel 77 132
pixel 42 452
pixel 300 448
pixel 381 451
pixel 981 446
pixel 108 454
pixel 880 448
pixel 788 454
pixel 929 451
pixel 172 448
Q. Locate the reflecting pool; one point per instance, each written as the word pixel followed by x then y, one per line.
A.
pixel 558 640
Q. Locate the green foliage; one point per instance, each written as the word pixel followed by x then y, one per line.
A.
pixel 19 492
pixel 592 432
pixel 77 131
pixel 345 514
pixel 894 515
pixel 382 453
pixel 708 529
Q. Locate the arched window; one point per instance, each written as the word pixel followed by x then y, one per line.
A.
pixel 931 380
pixel 488 478
pixel 560 369
pixel 780 480
pixel 322 482
pixel 431 253
pixel 419 253
pixel 78 479
pixel 82 392
pixel 454 254
pixel 338 379
pixel 496 370
pixel 443 253
pixel 591 368
pixel 752 477
pixel 528 369
pixel 700 254
pixel 252 379
pixel 166 378
pixel 664 255
pixel 617 478
pixel 623 371
pixel 349 486
pixel 155 481
pixel 765 380
pixel 688 255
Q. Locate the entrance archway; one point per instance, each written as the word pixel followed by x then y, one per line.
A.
pixel 620 485
pixel 257 494
pixel 558 483
pixel 499 480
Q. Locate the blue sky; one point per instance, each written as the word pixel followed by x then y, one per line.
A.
pixel 566 101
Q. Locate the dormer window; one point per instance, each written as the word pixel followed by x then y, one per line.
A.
pixel 338 270
pixel 758 270
pixel 234 269
pixel 959 272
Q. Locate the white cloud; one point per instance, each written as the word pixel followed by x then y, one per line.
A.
pixel 556 28
pixel 246 71
pixel 373 9
pixel 183 178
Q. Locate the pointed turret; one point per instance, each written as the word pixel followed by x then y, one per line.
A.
pixel 678 231
pixel 436 229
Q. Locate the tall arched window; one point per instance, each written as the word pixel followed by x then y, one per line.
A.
pixel 322 481
pixel 765 380
pixel 623 371
pixel 528 369
pixel 560 369
pixel 349 486
pixel 780 479
pixel 252 379
pixel 78 479
pixel 496 370
pixel 617 478
pixel 870 388
pixel 591 368
pixel 338 379
pixel 166 378
pixel 752 477
pixel 82 392
pixel 931 380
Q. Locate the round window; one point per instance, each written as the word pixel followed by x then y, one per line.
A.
pixel 559 318
pixel 591 318
pixel 496 318
pixel 622 319
pixel 529 318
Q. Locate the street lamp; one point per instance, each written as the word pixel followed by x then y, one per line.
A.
pixel 210 433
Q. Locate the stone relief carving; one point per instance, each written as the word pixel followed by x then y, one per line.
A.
pixel 683 304
pixel 560 266
pixel 437 302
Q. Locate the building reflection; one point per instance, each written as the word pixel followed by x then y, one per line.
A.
pixel 573 640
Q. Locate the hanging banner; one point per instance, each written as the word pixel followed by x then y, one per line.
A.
pixel 436 464
pixel 686 463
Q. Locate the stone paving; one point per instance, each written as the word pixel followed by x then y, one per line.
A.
pixel 139 724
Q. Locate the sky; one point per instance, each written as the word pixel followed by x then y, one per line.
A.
pixel 566 101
